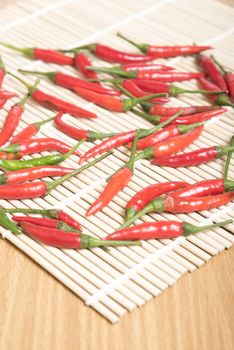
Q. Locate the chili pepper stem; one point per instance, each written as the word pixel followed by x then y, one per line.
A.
pixel 43 212
pixel 112 71
pixel 189 229
pixel 79 48
pixel 31 88
pixel 52 185
pixel 92 242
pixel 27 51
pixel 39 124
pixel 8 224
pixel 228 160
pixel 2 65
pixel 50 75
pixel 153 119
pixel 131 161
pixel 175 90
pixel 141 47
pixel 221 67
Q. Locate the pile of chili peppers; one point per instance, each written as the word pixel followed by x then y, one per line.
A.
pixel 147 85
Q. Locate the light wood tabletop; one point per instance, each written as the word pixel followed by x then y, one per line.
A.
pixel 38 312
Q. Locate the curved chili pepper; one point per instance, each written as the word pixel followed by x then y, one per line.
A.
pixel 166 51
pixel 47 160
pixel 219 100
pixel 38 145
pixel 161 230
pixel 228 76
pixel 8 224
pixel 29 131
pixel 23 175
pixel 113 103
pixel 121 139
pixel 170 146
pixel 2 71
pixel 67 240
pixel 182 120
pixel 70 82
pixel 81 61
pixel 46 222
pixel 50 56
pixel 39 188
pixel 5 96
pixel 115 183
pixel 212 71
pixel 109 54
pixel 177 205
pixel 55 103
pixel 165 134
pixel 79 134
pixel 143 67
pixel 147 194
pixel 162 76
pixel 169 111
pixel 12 120
pixel 197 157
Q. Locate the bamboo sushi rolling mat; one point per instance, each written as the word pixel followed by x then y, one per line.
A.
pixel 116 282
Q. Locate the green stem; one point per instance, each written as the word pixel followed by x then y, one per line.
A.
pixel 176 90
pixel 27 51
pixel 131 161
pixel 31 88
pixel 50 75
pixel 131 102
pixel 223 100
pixel 142 47
pixel 43 212
pixel 39 124
pixel 52 185
pixel 90 242
pixel 90 47
pixel 153 119
pixel 189 229
pixel 228 160
pixel 2 65
pixel 116 71
pixel 8 224
pixel 221 67
pixel 183 129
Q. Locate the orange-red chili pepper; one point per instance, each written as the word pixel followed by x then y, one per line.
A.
pixel 70 82
pixel 5 96
pixel 166 51
pixel 228 76
pixel 23 175
pixel 147 194
pixel 68 240
pixel 81 61
pixel 169 111
pixel 38 145
pixel 29 131
pixel 197 157
pixel 55 103
pixel 210 68
pixel 220 100
pixel 109 54
pixel 161 230
pixel 79 134
pixel 50 56
pixel 116 183
pixel 143 67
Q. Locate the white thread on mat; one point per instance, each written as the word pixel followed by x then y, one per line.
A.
pixel 107 288
pixel 33 15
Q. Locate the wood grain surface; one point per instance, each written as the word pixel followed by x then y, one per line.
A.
pixel 38 312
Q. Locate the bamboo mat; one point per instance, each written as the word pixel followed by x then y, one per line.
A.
pixel 117 282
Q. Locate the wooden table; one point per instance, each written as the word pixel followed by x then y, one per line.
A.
pixel 38 312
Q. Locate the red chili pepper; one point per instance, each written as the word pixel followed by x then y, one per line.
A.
pixel 205 188
pixel 116 183
pixel 197 157
pixel 12 120
pixel 29 131
pixel 39 188
pixel 67 240
pixel 164 134
pixel 79 134
pixel 109 54
pixel 163 76
pixel 50 56
pixel 5 96
pixel 23 175
pixel 166 51
pixel 120 140
pixel 220 100
pixel 113 103
pixel 212 71
pixel 55 103
pixel 147 194
pixel 31 146
pixel 70 82
pixel 2 71
pixel 10 156
pixel 143 67
pixel 81 61
pixel 169 111
pixel 46 222
pixel 228 76
pixel 177 205
pixel 161 230
pixel 184 120
pixel 170 146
